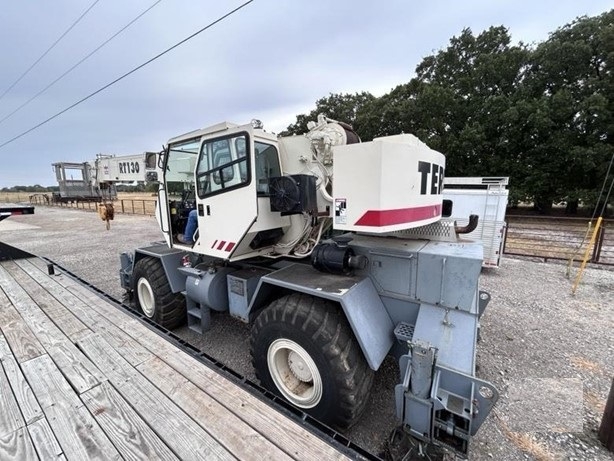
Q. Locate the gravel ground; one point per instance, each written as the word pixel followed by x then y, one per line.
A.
pixel 550 354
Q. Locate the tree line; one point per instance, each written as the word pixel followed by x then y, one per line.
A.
pixel 35 188
pixel 541 114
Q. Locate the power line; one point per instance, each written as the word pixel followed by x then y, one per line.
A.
pixel 221 18
pixel 77 64
pixel 48 49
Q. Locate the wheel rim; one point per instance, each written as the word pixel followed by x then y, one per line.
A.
pixel 294 373
pixel 146 297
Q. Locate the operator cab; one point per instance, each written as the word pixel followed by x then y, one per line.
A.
pixel 214 170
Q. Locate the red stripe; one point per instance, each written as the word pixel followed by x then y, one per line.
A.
pixel 221 245
pixel 230 246
pixel 380 218
pixel 214 243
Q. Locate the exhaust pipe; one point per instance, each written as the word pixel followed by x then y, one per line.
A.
pixel 470 227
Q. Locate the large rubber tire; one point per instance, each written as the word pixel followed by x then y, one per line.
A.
pixel 153 295
pixel 303 350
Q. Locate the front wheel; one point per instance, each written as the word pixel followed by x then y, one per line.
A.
pixel 153 294
pixel 303 349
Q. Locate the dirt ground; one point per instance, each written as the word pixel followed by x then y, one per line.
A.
pixel 550 354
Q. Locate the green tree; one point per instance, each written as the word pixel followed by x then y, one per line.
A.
pixel 461 102
pixel 571 84
pixel 543 115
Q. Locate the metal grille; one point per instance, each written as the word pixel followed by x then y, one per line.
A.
pixel 404 331
pixel 442 230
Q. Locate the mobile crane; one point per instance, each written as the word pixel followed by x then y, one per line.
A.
pixel 337 252
pixel 96 180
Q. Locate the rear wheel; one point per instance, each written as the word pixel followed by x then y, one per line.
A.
pixel 153 294
pixel 303 349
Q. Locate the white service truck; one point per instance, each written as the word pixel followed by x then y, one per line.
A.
pixel 485 197
pixel 338 255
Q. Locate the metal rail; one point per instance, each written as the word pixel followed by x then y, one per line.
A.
pixel 551 237
pixel 144 207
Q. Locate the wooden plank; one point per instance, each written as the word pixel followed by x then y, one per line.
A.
pixel 182 434
pixel 111 312
pixel 75 366
pixel 30 409
pixel 132 437
pixel 10 416
pixel 76 430
pixel 238 437
pixel 17 446
pixel 44 440
pixel 24 344
pixel 80 371
pixel 130 349
pixel 285 433
pixel 37 262
pixel 60 277
pixel 41 265
pixel 7 314
pixel 70 325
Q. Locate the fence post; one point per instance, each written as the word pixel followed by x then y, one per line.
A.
pixel 598 244
pixel 507 229
pixel 606 430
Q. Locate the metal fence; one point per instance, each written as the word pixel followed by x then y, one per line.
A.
pixel 558 238
pixel 14 197
pixel 145 207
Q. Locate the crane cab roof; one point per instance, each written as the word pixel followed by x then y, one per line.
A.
pixel 220 128
pixel 223 126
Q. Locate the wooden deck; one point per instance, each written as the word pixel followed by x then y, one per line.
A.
pixel 81 379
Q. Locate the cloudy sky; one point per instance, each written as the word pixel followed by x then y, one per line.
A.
pixel 271 61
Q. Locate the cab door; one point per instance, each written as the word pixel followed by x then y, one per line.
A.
pixel 226 197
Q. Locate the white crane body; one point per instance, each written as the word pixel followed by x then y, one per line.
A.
pixel 338 254
pixel 97 179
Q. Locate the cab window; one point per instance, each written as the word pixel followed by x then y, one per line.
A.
pixel 223 165
pixel 179 166
pixel 267 166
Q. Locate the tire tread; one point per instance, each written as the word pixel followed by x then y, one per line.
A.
pixel 170 309
pixel 327 326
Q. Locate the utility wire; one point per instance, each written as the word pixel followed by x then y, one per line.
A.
pixel 48 50
pixel 221 18
pixel 77 64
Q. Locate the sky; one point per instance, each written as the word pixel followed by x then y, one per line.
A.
pixel 271 60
